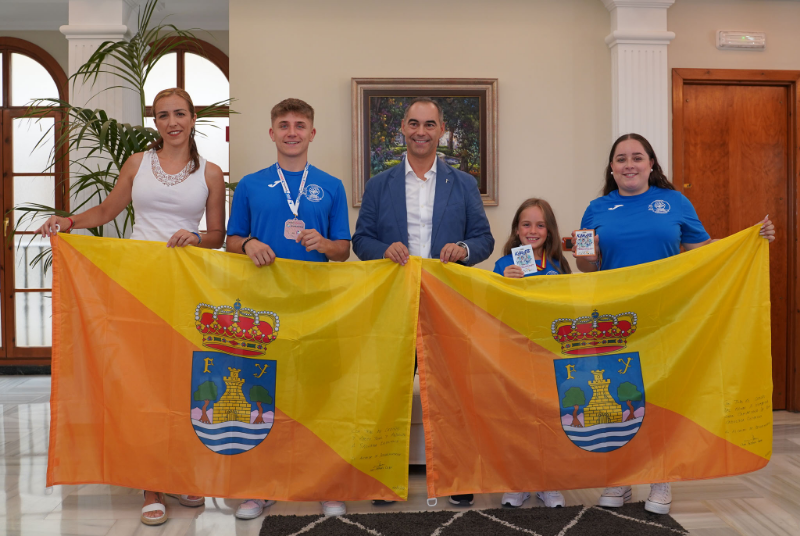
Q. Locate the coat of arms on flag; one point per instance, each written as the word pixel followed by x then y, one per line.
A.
pixel 601 396
pixel 233 391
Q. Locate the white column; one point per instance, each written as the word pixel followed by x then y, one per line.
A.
pixel 639 73
pixel 92 22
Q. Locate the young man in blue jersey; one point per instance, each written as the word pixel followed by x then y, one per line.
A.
pixel 290 210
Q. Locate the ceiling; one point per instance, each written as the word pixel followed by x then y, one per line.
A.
pixel 51 14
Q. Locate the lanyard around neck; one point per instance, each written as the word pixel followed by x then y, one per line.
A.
pixel 294 206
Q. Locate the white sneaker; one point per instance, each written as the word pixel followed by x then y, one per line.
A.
pixel 615 497
pixel 252 508
pixel 515 500
pixel 660 499
pixel 551 499
pixel 333 508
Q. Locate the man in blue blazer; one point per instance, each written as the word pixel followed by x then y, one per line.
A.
pixel 423 206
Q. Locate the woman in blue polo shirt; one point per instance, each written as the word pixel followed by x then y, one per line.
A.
pixel 534 224
pixel 641 218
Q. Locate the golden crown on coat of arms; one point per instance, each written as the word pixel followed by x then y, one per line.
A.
pixel 594 335
pixel 235 329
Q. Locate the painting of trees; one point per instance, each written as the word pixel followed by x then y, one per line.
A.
pixel 207 392
pixel 574 398
pixel 628 393
pixel 259 395
pixel 385 118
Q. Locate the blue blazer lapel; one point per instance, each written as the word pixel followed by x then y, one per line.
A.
pixel 397 191
pixel 444 185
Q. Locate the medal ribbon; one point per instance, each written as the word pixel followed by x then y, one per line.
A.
pixel 544 263
pixel 294 206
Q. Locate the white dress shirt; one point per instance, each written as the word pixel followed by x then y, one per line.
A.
pixel 419 210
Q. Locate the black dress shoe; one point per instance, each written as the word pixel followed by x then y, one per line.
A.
pixel 462 500
pixel 379 502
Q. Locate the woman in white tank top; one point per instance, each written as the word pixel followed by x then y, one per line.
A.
pixel 171 186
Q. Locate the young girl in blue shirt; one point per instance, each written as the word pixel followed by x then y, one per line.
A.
pixel 534 224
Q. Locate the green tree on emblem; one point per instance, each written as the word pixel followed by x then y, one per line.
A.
pixel 206 391
pixel 259 395
pixel 627 392
pixel 574 397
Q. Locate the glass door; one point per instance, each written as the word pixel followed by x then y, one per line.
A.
pixel 29 177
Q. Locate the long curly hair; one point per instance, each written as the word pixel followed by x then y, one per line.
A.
pixel 552 244
pixel 657 177
pixel 159 143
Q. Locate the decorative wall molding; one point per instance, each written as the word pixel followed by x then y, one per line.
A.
pixel 95 31
pixel 639 71
pixel 657 4
pixel 639 38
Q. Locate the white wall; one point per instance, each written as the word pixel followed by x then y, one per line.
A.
pixel 553 66
pixel 695 23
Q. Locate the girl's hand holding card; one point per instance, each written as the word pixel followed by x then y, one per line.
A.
pixel 513 271
pixel 524 259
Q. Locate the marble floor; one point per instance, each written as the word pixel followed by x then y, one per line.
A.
pixel 763 503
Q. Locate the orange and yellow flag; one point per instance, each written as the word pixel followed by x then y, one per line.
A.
pixel 654 373
pixel 192 371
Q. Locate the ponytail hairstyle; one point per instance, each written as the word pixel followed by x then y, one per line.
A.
pixel 159 143
pixel 552 244
pixel 657 177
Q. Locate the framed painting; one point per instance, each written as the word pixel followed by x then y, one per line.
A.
pixel 470 119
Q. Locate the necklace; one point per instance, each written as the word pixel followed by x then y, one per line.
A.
pixel 165 178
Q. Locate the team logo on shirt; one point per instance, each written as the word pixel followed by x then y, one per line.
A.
pixel 233 389
pixel 314 193
pixel 659 207
pixel 601 396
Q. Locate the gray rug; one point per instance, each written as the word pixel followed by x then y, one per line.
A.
pixel 630 520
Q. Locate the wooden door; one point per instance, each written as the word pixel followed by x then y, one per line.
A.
pixel 734 161
pixel 27 73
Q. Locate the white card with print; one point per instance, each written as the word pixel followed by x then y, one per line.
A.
pixel 523 257
pixel 584 241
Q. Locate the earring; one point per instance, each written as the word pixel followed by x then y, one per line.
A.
pixel 651 170
pixel 612 172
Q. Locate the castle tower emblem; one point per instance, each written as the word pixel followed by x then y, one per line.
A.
pixel 233 406
pixel 233 384
pixel 601 393
pixel 603 409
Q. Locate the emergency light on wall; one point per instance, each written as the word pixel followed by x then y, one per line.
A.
pixel 727 40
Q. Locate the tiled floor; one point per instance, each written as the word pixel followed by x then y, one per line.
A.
pixel 762 503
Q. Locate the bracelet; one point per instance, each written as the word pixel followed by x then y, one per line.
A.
pixel 199 239
pixel 245 243
pixel 71 224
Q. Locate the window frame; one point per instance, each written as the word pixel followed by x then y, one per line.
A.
pixel 11 354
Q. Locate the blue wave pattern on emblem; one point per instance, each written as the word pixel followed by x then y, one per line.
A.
pixel 604 437
pixel 231 437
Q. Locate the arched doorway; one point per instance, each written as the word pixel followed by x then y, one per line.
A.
pixel 27 73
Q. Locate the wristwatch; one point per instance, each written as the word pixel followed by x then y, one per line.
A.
pixel 463 245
